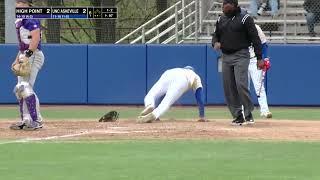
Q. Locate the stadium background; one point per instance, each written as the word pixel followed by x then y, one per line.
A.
pixel 91 72
pixel 84 66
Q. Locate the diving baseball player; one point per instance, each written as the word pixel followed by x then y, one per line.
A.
pixel 172 84
pixel 29 36
pixel 255 75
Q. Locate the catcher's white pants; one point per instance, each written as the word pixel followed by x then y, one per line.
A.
pixel 255 75
pixel 36 61
pixel 172 87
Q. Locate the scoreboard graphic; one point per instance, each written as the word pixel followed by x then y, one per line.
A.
pixel 67 13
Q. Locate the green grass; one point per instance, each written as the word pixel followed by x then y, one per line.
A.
pixel 177 113
pixel 159 160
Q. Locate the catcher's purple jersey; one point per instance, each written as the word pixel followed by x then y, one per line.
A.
pixel 24 28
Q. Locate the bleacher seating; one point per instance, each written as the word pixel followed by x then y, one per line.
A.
pixel 289 25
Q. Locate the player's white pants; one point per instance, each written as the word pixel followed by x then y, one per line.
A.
pixel 172 88
pixel 255 76
pixel 36 61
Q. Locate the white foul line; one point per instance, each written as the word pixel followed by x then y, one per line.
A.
pixel 26 140
pixel 44 138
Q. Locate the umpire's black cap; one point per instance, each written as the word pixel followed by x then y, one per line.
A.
pixel 235 2
pixel 24 1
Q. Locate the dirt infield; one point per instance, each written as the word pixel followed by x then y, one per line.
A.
pixel 126 129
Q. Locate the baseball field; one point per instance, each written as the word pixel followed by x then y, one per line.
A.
pixel 73 146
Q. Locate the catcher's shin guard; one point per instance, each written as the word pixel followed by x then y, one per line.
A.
pixel 31 102
pixel 21 108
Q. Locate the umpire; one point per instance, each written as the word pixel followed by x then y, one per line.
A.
pixel 235 32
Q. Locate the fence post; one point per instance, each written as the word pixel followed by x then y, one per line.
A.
pixel 196 19
pixel 190 21
pixel 285 22
pixel 158 39
pixel 143 34
pixel 176 23
pixel 200 15
pixel 183 19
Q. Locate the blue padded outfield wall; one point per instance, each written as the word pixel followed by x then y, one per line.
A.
pixel 122 74
pixel 117 74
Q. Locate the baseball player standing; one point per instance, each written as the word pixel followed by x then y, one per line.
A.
pixel 172 84
pixel 29 36
pixel 255 75
pixel 235 32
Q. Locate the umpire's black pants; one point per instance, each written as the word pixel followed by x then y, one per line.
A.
pixel 235 82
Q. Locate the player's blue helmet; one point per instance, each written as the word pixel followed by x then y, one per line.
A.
pixel 189 67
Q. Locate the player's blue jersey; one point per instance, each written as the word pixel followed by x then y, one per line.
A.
pixel 24 28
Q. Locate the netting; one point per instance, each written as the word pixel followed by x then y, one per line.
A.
pixel 282 20
pixel 131 14
pixel 2 22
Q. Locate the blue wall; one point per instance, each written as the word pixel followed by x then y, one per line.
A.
pixel 117 74
pixel 63 77
pixel 7 80
pixel 294 76
pixel 122 74
pixel 214 79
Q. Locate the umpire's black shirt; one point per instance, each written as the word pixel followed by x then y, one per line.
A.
pixel 236 33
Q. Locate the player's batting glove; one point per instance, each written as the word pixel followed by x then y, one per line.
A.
pixel 217 45
pixel 260 64
pixel 267 64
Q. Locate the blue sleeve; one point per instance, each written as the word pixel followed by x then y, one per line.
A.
pixel 199 97
pixel 264 50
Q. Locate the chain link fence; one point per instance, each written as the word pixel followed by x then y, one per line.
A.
pixel 131 14
pixel 283 21
pixel 2 22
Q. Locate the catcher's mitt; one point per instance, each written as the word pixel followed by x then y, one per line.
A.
pixel 22 68
pixel 111 116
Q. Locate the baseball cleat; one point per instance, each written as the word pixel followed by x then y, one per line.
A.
pixel 238 121
pixel 146 119
pixel 267 115
pixel 146 110
pixel 249 119
pixel 34 125
pixel 203 120
pixel 17 125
